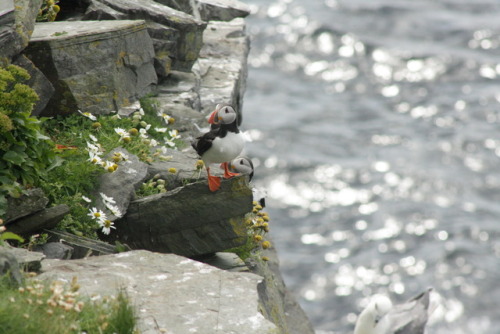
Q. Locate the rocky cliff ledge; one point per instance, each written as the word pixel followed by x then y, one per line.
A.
pixel 102 56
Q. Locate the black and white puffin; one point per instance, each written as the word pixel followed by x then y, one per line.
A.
pixel 221 144
pixel 244 165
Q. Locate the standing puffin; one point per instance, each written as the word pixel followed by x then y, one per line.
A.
pixel 221 144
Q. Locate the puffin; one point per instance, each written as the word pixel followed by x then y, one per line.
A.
pixel 380 317
pixel 221 144
pixel 244 165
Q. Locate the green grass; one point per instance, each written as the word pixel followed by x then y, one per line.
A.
pixel 39 308
pixel 75 175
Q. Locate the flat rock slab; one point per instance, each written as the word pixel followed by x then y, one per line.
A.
pixel 187 41
pixel 188 220
pixel 171 294
pixel 33 200
pixel 95 66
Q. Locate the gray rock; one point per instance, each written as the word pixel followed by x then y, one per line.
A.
pixel 181 5
pixel 210 10
pixel 165 44
pixel 17 18
pixel 222 66
pixel 170 293
pixel 82 246
pixel 32 201
pixel 98 11
pixel 9 266
pixel 183 162
pixel 278 303
pixel 45 219
pixel 9 39
pixel 189 220
pixel 56 250
pixel 95 66
pixel 222 10
pixel 28 261
pixel 121 184
pixel 38 81
pixel 218 77
pixel 190 30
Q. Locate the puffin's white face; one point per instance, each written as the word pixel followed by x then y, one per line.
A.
pixel 242 165
pixel 226 115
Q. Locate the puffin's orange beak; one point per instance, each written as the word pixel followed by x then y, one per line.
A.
pixel 211 119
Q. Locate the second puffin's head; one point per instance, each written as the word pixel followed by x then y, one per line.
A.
pixel 223 114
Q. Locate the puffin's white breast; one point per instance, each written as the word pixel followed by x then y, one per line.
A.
pixel 224 149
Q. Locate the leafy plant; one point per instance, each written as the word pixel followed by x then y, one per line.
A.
pixel 25 152
pixel 39 307
pixel 83 143
pixel 257 223
pixel 48 11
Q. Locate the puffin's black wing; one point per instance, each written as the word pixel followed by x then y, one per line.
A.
pixel 204 142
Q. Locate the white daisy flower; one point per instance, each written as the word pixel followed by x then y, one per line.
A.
pixel 174 134
pixel 88 115
pixel 97 214
pixel 107 199
pixel 121 132
pixel 153 143
pixel 93 137
pixel 107 226
pixel 161 130
pixel 143 133
pixel 95 158
pixel 94 148
pixel 86 199
pixel 170 143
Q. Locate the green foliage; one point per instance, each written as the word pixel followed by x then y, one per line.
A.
pixel 257 223
pixel 25 152
pixel 151 187
pixel 76 174
pixel 48 11
pixel 58 308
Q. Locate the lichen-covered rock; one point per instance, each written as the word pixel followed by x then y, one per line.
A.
pixel 9 266
pixel 33 200
pixel 28 261
pixel 121 184
pixel 189 220
pixel 187 41
pixel 171 294
pixel 95 66
pixel 278 304
pixel 222 66
pixel 55 250
pixel 38 81
pixel 17 19
pixel 45 219
pixel 222 10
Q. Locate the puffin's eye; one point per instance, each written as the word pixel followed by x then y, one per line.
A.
pixel 241 162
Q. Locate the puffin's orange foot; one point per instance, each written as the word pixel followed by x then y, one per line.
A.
pixel 227 173
pixel 213 183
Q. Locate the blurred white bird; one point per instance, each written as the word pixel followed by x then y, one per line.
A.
pixel 380 317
